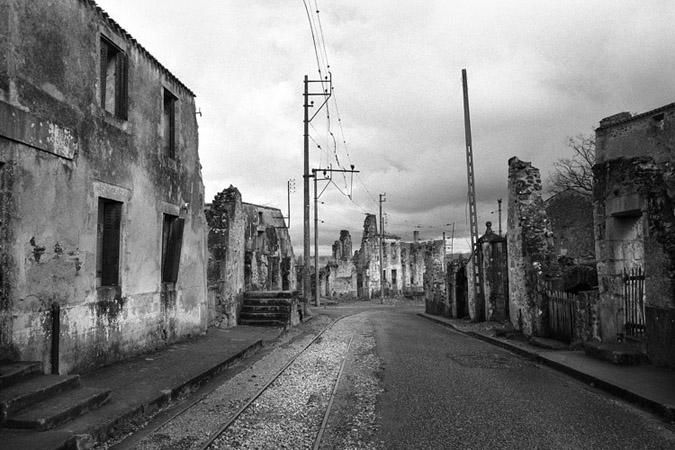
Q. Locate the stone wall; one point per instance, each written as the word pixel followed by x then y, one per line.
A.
pixel 65 153
pixel 634 195
pixel 226 244
pixel 435 279
pixel 571 216
pixel 530 247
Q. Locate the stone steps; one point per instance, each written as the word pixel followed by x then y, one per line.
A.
pixel 30 399
pixel 33 390
pixel 59 409
pixel 273 308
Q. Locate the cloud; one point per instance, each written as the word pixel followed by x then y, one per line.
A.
pixel 538 73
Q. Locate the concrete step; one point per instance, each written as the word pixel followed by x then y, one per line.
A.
pixel 263 323
pixel 267 302
pixel 264 308
pixel 58 409
pixel 33 390
pixel 270 294
pixel 14 371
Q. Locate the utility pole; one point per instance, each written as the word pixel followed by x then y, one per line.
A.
pixel 383 198
pixel 452 242
pixel 477 272
pixel 499 204
pixel 326 93
pixel 290 187
pixel 316 225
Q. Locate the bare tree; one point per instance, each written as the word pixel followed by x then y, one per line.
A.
pixel 575 173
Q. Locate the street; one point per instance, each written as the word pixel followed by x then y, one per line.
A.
pixel 404 382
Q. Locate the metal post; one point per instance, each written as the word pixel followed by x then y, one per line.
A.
pixel 382 199
pixel 499 203
pixel 306 285
pixel 316 242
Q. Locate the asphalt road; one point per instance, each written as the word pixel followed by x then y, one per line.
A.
pixel 443 389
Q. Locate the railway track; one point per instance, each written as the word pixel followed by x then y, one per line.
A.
pixel 317 441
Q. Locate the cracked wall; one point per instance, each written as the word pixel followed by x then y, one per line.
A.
pixel 530 247
pixel 634 197
pixel 60 151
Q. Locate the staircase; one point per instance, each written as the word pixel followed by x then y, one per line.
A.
pixel 32 400
pixel 270 309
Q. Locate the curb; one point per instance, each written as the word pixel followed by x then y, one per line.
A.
pixel 667 412
pixel 104 432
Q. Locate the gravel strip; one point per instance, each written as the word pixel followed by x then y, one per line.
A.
pixel 289 413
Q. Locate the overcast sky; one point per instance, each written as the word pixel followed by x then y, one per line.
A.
pixel 539 72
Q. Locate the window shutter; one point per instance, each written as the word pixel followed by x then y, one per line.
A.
pixel 121 107
pixel 173 249
pixel 112 217
pixel 103 70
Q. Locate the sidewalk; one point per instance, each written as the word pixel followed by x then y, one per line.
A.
pixel 645 385
pixel 144 384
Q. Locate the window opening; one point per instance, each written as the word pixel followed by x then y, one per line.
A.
pixel 113 79
pixel 108 242
pixel 172 241
pixel 169 124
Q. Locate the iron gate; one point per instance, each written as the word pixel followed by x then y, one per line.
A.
pixel 634 301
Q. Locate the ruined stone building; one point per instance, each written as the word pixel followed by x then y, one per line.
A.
pixel 249 250
pixel 635 229
pixel 102 242
pixel 338 278
pixel 369 268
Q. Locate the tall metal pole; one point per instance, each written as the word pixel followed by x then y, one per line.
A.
pixel 306 285
pixel 477 272
pixel 382 200
pixel 499 203
pixel 316 242
pixel 288 191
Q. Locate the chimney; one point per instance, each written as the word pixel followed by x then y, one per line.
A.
pixel 416 235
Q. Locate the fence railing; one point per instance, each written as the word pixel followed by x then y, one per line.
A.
pixel 634 301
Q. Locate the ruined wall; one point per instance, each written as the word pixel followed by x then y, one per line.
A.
pixel 571 217
pixel 60 151
pixel 412 266
pixel 269 259
pixel 435 279
pixel 494 263
pixel 226 245
pixel 368 259
pixel 530 247
pixel 633 198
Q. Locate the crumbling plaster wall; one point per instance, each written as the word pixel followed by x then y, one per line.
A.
pixel 634 196
pixel 530 247
pixel 60 151
pixel 436 297
pixel 269 251
pixel 226 244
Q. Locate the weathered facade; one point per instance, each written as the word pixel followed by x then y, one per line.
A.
pixel 571 216
pixel 338 278
pixel 102 237
pixel 249 250
pixel 530 248
pixel 369 268
pixel 633 199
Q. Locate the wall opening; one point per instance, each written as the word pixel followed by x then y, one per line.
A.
pixel 172 241
pixel 108 242
pixel 169 124
pixel 113 79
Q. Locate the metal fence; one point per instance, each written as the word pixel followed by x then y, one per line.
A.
pixel 634 301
